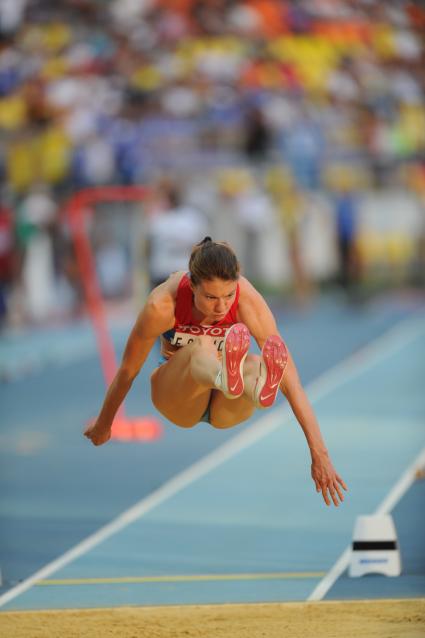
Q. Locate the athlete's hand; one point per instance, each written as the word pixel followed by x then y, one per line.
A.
pixel 327 480
pixel 97 433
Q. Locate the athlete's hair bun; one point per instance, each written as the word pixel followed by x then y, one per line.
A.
pixel 205 240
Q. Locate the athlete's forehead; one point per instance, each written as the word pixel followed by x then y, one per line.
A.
pixel 217 287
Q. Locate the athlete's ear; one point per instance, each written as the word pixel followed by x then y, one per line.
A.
pixel 192 285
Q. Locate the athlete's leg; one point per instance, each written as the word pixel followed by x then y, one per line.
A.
pixel 181 387
pixel 184 386
pixel 262 377
pixel 225 413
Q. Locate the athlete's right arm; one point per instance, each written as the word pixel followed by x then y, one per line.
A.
pixel 156 317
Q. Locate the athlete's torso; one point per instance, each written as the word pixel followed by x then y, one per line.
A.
pixel 187 328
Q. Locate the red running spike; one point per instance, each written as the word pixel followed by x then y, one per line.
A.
pixel 273 363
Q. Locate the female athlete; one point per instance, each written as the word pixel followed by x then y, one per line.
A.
pixel 205 319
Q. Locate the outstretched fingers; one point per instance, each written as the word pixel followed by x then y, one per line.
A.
pixel 331 490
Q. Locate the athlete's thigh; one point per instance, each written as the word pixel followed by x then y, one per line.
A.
pixel 225 413
pixel 175 393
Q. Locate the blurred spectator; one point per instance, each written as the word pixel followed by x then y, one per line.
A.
pixel 112 266
pixel 94 162
pixel 69 287
pixel 256 137
pixel 302 148
pixel 346 211
pixel 11 15
pixel 173 229
pixel 290 206
pixel 37 216
pixel 7 260
pixel 255 217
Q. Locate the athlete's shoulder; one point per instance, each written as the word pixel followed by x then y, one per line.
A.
pixel 163 297
pixel 254 312
pixel 158 313
pixel 248 294
pixel 171 285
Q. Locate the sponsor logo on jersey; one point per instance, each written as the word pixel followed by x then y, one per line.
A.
pixel 186 334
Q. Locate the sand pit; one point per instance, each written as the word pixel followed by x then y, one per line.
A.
pixel 357 619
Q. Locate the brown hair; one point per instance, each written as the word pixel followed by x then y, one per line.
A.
pixel 211 259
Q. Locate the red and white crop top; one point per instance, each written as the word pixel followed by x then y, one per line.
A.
pixel 186 327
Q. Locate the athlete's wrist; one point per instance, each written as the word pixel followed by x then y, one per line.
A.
pixel 103 424
pixel 318 452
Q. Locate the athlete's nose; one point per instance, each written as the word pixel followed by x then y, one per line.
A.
pixel 220 306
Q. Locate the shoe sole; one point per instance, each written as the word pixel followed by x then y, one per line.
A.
pixel 235 350
pixel 274 359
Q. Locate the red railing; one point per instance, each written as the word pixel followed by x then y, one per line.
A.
pixel 76 210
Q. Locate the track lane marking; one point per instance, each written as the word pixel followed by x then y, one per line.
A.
pixel 179 578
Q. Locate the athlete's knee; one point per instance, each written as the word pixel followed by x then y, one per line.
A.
pixel 201 364
pixel 200 346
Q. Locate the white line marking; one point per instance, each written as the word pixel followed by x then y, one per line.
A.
pixel 395 494
pixel 365 358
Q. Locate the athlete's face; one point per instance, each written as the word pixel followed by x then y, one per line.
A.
pixel 214 298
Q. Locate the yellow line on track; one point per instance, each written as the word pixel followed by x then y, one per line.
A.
pixel 179 578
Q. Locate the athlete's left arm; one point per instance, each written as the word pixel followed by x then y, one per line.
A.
pixel 255 313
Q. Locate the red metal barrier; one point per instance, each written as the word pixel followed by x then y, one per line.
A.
pixel 76 210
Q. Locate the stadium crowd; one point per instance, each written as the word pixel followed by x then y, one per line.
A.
pixel 95 92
